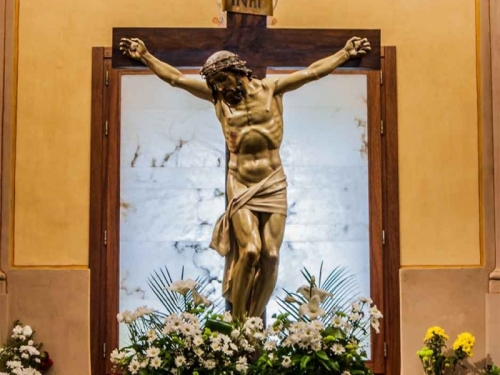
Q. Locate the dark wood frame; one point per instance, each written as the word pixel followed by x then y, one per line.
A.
pixel 104 209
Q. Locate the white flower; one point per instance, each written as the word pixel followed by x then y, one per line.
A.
pixel 197 340
pixel 338 349
pixel 355 307
pixel 317 325
pixel 216 346
pixel 375 313
pixel 226 350
pixel 227 317
pixel 134 366
pixel 25 355
pixel 254 323
pixel 116 356
pixel 354 317
pixel 346 373
pixel 287 362
pixel 259 336
pixel 337 321
pixel 141 311
pixel 14 364
pixel 198 299
pixel 180 360
pixel 155 362
pixel 209 364
pixel 241 365
pixel 27 331
pixel 126 317
pixel 30 349
pixel 312 308
pixel 152 352
pixel 191 318
pixel 151 335
pixel 182 286
pixel 309 293
pixel 235 333
pixel 18 330
pixel 365 300
pixel 270 345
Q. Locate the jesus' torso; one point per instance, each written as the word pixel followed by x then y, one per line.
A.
pixel 253 130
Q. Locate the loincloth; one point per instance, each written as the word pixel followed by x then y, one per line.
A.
pixel 269 196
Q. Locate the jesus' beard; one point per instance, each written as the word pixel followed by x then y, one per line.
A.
pixel 233 96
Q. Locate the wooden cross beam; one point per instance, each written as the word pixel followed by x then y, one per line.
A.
pixel 247 36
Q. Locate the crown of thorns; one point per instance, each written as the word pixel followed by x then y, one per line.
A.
pixel 212 67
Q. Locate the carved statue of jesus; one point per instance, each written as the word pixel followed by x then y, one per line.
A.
pixel 250 110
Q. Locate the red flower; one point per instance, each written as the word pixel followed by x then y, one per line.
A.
pixel 46 361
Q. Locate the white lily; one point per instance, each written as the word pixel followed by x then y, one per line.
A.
pixel 312 309
pixel 200 300
pixel 182 286
pixel 308 293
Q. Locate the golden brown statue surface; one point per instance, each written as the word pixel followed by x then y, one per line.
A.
pixel 250 111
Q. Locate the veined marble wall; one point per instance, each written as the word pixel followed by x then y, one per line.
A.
pixel 172 184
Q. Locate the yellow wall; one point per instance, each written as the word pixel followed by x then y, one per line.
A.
pixel 437 115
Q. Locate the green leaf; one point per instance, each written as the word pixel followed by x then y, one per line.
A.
pixel 335 365
pixel 325 364
pixel 218 326
pixel 321 354
pixel 304 361
pixel 336 333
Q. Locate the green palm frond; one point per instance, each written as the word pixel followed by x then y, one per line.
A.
pixel 340 282
pixel 173 302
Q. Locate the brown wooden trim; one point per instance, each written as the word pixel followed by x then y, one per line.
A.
pixel 97 190
pixel 3 89
pixel 392 257
pixel 376 213
pixel 238 20
pixel 260 47
pixel 113 213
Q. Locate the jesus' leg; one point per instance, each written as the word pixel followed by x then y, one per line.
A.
pixel 246 230
pixel 272 229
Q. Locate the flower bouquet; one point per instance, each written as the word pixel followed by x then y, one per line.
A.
pixel 434 359
pixel 312 335
pixel 21 355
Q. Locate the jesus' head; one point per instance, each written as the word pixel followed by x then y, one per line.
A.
pixel 224 72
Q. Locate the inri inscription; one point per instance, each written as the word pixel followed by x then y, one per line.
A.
pixel 260 7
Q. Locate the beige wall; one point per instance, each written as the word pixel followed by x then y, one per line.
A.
pixel 437 112
pixel 438 143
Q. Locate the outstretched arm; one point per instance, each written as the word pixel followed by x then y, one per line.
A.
pixel 354 47
pixel 136 49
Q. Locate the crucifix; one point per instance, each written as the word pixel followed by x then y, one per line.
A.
pixel 249 109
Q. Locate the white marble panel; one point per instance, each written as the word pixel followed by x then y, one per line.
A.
pixel 172 184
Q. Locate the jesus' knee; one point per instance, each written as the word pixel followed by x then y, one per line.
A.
pixel 250 255
pixel 270 257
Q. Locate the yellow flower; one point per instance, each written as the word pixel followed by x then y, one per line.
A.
pixel 435 331
pixel 465 341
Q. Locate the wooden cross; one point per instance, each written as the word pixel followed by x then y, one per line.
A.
pixel 247 36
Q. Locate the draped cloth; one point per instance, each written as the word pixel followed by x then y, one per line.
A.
pixel 269 196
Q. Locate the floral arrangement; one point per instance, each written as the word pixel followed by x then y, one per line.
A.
pixel 433 357
pixel 492 370
pixel 199 340
pixel 21 355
